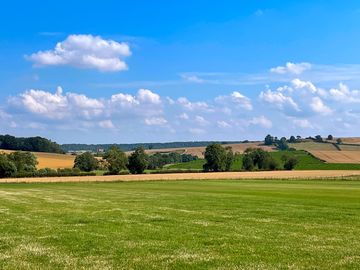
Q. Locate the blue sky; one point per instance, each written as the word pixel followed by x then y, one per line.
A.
pixel 153 71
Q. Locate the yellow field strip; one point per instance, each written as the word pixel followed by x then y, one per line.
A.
pixel 191 176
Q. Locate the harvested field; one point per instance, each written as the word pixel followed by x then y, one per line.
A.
pixel 51 160
pixel 338 156
pixel 355 140
pixel 192 176
pixel 199 151
pixel 311 146
pixel 345 147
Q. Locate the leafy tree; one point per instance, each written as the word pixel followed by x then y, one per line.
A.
pixel 24 161
pixel 318 138
pixel 86 162
pixel 330 137
pixel 216 158
pixel 7 167
pixel 138 161
pixel 229 158
pixel 248 163
pixel 339 141
pixel 282 144
pixel 269 140
pixel 271 163
pixel 292 139
pixel 116 160
pixel 298 137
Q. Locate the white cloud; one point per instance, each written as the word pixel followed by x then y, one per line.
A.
pixel 299 84
pixel 106 124
pixel 292 68
pixel 192 78
pixel 237 99
pixel 279 100
pixel 155 121
pixel 201 120
pixel 344 94
pixel 261 121
pixel 223 124
pixel 184 116
pixel 146 96
pixel 302 123
pixel 318 106
pixel 85 51
pixel 185 103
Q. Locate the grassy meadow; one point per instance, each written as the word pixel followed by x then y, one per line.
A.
pixel 268 224
pixel 306 162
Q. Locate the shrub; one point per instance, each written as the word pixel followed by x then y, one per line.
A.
pixel 290 162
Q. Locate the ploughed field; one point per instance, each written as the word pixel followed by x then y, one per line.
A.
pixel 248 224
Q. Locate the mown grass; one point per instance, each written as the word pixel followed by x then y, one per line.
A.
pixel 254 224
pixel 306 162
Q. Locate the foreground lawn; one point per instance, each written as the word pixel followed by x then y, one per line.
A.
pixel 181 224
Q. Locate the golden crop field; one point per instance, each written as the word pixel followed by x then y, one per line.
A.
pixel 51 160
pixel 355 140
pixel 314 174
pixel 338 156
pixel 199 151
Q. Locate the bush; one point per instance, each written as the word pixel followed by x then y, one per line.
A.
pixel 289 162
pixel 86 162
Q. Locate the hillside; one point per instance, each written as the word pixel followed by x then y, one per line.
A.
pixel 51 160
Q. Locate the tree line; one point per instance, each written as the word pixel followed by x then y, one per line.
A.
pixel 220 159
pixel 116 161
pixel 31 144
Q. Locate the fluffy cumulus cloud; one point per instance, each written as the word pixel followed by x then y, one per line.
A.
pixel 85 51
pixel 237 99
pixel 297 106
pixel 279 100
pixel 291 68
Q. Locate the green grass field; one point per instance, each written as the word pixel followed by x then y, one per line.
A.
pixel 181 225
pixel 306 162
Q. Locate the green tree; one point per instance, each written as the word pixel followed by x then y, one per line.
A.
pixel 339 141
pixel 269 140
pixel 318 138
pixel 330 137
pixel 229 158
pixel 86 162
pixel 248 163
pixel 282 144
pixel 216 158
pixel 24 161
pixel 292 139
pixel 7 167
pixel 116 160
pixel 138 161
